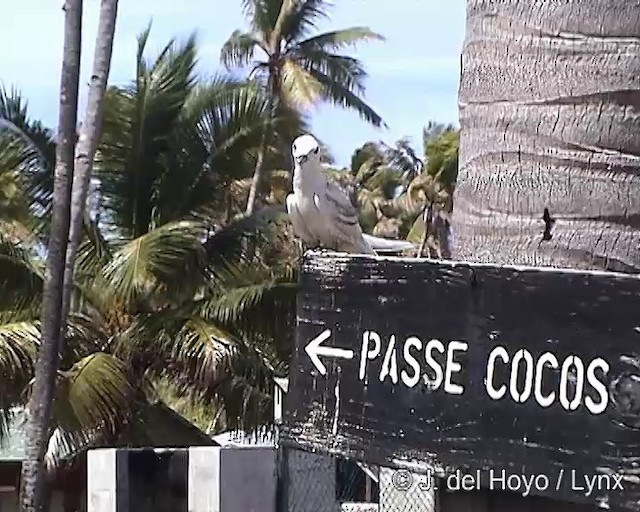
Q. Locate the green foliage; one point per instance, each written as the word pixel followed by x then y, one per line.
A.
pixel 434 189
pixel 177 295
pixel 27 153
pixel 304 68
pixel 170 283
pixel 392 187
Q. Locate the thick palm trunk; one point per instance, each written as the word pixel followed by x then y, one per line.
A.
pixel 87 143
pixel 550 118
pixel 33 473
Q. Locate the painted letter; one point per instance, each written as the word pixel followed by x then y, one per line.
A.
pixel 416 343
pixel 495 394
pixel 528 377
pixel 599 386
pixel 544 401
pixel 453 367
pixel 390 364
pixel 564 383
pixel 366 353
pixel 433 364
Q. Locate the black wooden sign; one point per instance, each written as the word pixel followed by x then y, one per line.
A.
pixel 519 379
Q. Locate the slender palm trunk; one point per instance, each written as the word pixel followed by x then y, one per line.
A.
pixel 37 430
pixel 427 215
pixel 442 229
pixel 87 143
pixel 262 151
pixel 257 173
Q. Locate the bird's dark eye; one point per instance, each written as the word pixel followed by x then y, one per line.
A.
pixel 316 150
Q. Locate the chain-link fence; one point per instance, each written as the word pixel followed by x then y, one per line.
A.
pixel 312 482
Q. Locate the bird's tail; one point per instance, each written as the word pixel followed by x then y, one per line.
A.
pixel 386 245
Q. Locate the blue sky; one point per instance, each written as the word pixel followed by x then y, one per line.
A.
pixel 413 74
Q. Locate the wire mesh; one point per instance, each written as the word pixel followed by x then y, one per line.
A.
pixel 313 482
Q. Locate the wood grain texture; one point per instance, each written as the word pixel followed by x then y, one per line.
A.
pixel 587 314
pixel 550 118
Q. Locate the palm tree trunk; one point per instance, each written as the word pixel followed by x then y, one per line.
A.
pixel 87 143
pixel 549 117
pixel 33 472
pixel 427 215
pixel 262 151
pixel 442 230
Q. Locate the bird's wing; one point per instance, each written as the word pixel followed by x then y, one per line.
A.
pixel 297 220
pixel 341 208
pixel 343 220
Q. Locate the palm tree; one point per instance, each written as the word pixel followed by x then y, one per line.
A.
pixel 171 152
pixel 165 289
pixel 296 67
pixel 556 130
pixel 46 366
pixel 433 189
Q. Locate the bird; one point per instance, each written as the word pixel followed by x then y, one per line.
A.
pixel 322 215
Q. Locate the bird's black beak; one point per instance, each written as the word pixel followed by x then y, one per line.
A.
pixel 302 158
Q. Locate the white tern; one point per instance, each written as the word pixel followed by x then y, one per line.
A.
pixel 321 213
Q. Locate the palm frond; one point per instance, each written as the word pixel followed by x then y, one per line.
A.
pixel 204 351
pixel 340 69
pixel 262 14
pixel 26 147
pixel 262 311
pixel 303 18
pixel 94 393
pixel 21 275
pixel 14 202
pixel 196 356
pixel 230 123
pixel 93 253
pixel 139 126
pixel 233 374
pixel 239 49
pixel 19 343
pixel 165 257
pixel 64 445
pixel 442 157
pixel 227 246
pixel 243 405
pixel 85 335
pixel 341 39
pixel 7 421
pixel 343 81
pixel 340 95
pixel 403 157
pixel 299 89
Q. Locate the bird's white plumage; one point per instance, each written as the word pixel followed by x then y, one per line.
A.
pixel 321 214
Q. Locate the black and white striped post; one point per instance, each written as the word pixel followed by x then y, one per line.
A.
pixel 195 479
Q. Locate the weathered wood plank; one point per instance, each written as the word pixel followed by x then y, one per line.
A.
pixel 424 402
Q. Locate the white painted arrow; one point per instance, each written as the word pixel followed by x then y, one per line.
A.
pixel 314 350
